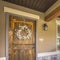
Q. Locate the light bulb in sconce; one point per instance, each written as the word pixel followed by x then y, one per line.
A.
pixel 41 39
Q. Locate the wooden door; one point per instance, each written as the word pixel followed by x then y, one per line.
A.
pixel 21 38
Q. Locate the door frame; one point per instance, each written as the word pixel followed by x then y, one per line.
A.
pixel 7 25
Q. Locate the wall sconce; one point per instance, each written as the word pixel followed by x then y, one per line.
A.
pixel 45 27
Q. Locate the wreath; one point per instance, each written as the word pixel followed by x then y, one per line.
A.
pixel 23 33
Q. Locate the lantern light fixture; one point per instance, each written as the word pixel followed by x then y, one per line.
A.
pixel 45 27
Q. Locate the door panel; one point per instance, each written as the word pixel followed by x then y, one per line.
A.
pixel 21 38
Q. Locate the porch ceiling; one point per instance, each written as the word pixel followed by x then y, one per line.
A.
pixel 38 5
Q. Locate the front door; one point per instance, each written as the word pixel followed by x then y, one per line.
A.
pixel 21 38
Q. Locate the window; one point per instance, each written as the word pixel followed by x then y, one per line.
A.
pixel 58 34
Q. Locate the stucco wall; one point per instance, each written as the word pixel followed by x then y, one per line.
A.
pixel 49 36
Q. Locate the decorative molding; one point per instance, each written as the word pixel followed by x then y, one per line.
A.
pixel 18 12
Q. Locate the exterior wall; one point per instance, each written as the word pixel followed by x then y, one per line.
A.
pixel 49 36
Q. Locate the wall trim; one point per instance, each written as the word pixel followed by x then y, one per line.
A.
pixel 18 12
